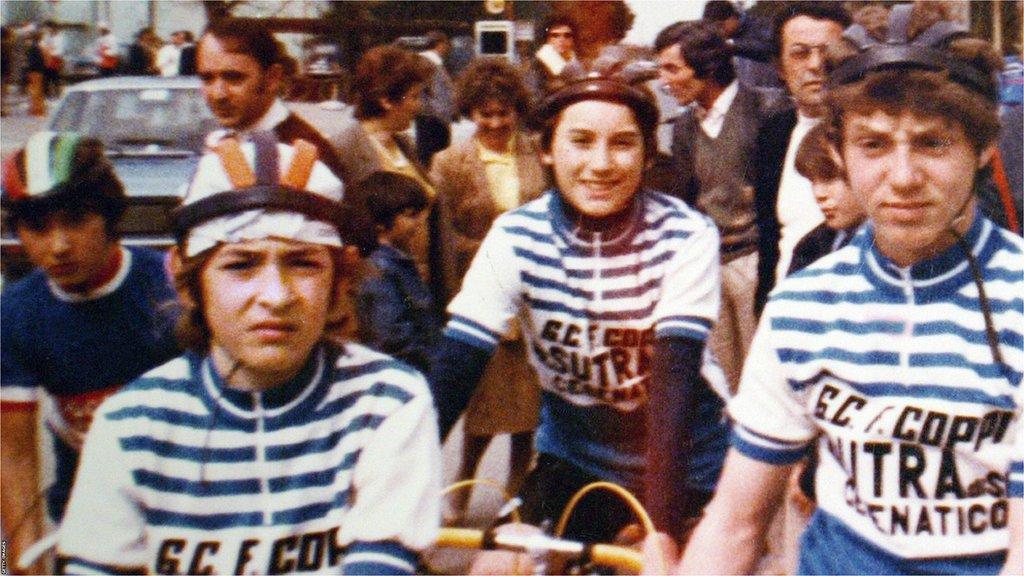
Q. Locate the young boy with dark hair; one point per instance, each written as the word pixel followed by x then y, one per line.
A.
pixel 900 356
pixel 394 306
pixel 843 214
pixel 93 316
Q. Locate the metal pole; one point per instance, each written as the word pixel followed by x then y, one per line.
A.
pixel 997 27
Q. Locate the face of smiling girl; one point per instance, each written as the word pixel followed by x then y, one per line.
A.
pixel 597 152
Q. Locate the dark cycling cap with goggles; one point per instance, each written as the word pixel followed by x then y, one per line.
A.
pixel 927 51
pixel 259 189
pixel 599 86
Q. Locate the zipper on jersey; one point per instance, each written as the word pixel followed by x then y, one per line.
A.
pixel 597 271
pixel 261 459
pixel 908 324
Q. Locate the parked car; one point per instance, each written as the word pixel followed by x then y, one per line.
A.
pixel 153 129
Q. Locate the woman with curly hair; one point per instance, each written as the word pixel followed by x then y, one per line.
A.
pixel 498 169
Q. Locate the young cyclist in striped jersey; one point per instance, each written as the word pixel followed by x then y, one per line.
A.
pixel 901 352
pixel 266 448
pixel 615 288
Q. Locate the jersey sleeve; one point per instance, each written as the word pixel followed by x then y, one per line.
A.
pixel 397 485
pixel 19 383
pixel 483 311
pixel 103 529
pixel 690 294
pixel 772 424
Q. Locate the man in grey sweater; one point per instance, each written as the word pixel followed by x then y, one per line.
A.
pixel 712 151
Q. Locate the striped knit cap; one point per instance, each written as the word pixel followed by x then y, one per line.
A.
pixel 54 167
pixel 259 188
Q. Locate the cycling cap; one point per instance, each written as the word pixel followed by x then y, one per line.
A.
pixel 259 189
pixel 927 51
pixel 55 168
pixel 598 86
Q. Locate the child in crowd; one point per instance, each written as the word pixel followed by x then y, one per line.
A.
pixel 394 305
pixel 266 448
pixel 843 213
pixel 843 216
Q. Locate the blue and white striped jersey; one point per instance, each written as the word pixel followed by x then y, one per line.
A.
pixel 335 471
pixel 590 309
pixel 921 442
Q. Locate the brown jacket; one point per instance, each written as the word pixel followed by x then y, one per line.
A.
pixel 461 181
pixel 507 398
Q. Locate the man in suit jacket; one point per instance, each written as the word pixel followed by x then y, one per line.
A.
pixel 784 203
pixel 240 65
pixel 713 157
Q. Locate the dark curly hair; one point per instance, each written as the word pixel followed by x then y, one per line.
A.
pixel 702 48
pixel 386 72
pixel 492 78
pixel 834 11
pixel 559 19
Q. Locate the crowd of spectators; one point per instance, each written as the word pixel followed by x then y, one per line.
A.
pixel 616 332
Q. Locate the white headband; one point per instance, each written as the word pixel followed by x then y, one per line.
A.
pixel 211 179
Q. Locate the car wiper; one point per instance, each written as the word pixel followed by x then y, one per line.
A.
pixel 141 141
pixel 124 147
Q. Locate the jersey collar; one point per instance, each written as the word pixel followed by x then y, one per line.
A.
pixel 947 269
pixel 102 290
pixel 268 403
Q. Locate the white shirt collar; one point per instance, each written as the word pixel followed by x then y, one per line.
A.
pixel 806 122
pixel 100 291
pixel 715 117
pixel 274 115
pixel 433 57
pixel 550 58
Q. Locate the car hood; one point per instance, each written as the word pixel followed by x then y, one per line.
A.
pixel 155 175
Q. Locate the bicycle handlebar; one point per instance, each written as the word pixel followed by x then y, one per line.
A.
pixel 619 557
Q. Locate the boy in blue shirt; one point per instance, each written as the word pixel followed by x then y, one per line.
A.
pixel 393 304
pixel 93 316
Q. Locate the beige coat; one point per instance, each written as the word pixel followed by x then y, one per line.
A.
pixel 461 182
pixel 508 396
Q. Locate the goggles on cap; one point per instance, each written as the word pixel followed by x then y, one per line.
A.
pixel 925 52
pixel 259 189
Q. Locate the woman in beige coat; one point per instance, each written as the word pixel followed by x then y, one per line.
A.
pixel 498 169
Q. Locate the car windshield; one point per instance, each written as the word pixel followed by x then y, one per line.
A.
pixel 138 121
